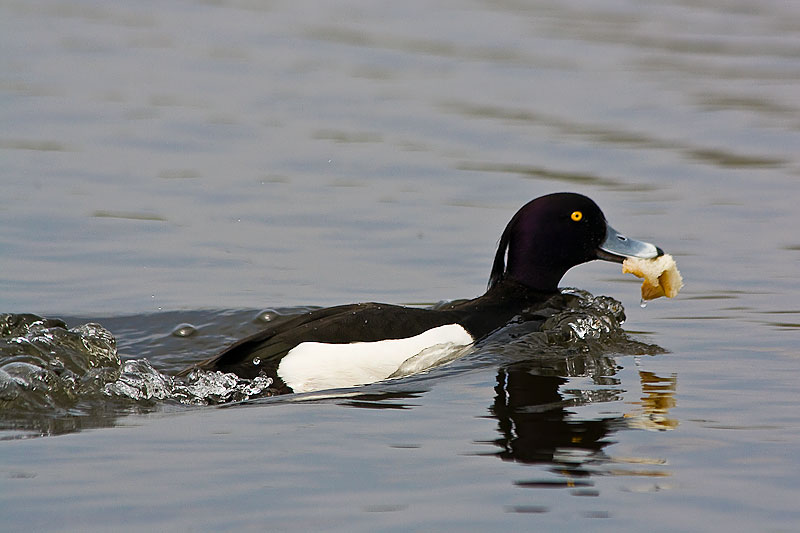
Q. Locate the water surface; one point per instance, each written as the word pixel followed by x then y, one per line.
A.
pixel 201 162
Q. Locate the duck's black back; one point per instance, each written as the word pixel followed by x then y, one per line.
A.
pixel 369 322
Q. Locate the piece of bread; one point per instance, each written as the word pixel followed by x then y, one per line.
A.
pixel 661 276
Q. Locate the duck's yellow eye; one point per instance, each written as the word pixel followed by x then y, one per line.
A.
pixel 576 216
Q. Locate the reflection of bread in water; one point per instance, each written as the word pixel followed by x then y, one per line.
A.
pixel 661 276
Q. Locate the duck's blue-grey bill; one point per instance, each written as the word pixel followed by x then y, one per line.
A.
pixel 617 247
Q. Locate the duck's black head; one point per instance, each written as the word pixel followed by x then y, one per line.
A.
pixel 553 233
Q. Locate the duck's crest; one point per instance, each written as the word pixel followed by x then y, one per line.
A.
pixel 499 264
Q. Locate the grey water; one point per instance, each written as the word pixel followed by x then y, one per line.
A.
pixel 173 174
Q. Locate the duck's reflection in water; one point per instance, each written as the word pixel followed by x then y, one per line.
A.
pixel 539 422
pixel 533 419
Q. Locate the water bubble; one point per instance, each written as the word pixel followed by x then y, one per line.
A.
pixel 184 330
pixel 267 315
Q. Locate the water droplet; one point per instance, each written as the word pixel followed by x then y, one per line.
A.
pixel 184 330
pixel 256 361
pixel 642 303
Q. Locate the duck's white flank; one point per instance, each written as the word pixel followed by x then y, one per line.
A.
pixel 313 366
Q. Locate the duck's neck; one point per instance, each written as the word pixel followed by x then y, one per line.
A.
pixel 537 279
pixel 503 301
pixel 511 288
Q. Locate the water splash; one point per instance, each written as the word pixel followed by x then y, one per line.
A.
pixel 45 365
pixel 50 373
pixel 573 322
pixel 140 382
